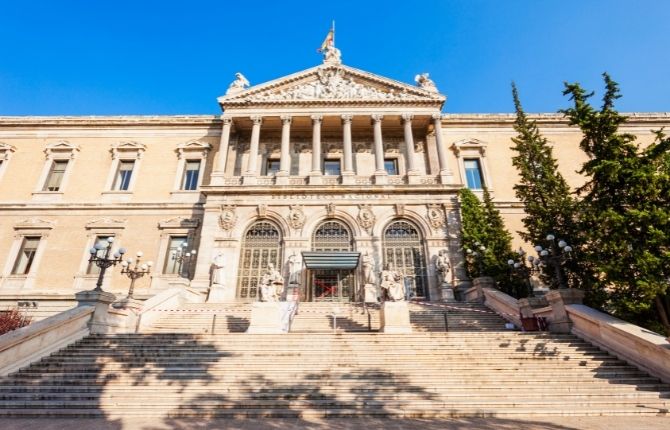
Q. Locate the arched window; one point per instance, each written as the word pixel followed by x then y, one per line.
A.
pixel 403 247
pixel 261 245
pixel 332 235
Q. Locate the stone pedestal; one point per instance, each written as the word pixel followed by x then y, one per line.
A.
pixel 220 294
pixel 447 293
pixel 370 293
pixel 266 318
pixel 128 310
pixel 348 178
pixel 558 299
pixel 293 293
pixel 249 180
pixel 100 300
pixel 394 318
pixel 480 283
pixel 281 178
pixel 315 179
pixel 381 178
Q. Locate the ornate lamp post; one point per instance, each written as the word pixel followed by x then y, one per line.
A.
pixel 478 256
pixel 524 267
pixel 136 272
pixel 555 256
pixel 181 256
pixel 104 262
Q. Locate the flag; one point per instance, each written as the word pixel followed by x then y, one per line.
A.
pixel 328 41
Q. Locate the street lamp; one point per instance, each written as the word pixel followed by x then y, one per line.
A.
pixel 181 256
pixel 136 272
pixel 477 255
pixel 104 262
pixel 523 270
pixel 554 256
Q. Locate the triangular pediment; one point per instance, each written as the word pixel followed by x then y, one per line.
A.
pixel 333 84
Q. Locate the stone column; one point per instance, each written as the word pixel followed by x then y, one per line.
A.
pixel 412 173
pixel 220 169
pixel 347 150
pixel 380 172
pixel 285 158
pixel 252 162
pixel 315 176
pixel 446 175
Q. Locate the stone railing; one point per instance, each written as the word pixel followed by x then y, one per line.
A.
pixel 23 346
pixel 644 349
pixel 334 180
pixel 151 309
pixel 504 305
pixel 297 180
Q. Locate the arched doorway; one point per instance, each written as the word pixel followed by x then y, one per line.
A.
pixel 331 284
pixel 403 247
pixel 261 245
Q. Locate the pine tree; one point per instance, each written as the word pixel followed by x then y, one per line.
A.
pixel 625 208
pixel 547 199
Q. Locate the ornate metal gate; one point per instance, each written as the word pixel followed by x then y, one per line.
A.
pixel 261 245
pixel 403 246
pixel 331 285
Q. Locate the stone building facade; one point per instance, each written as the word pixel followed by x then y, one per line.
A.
pixel 331 159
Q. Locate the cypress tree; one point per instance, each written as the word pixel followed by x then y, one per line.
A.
pixel 625 209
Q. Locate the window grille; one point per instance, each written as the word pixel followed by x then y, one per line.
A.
pixel 403 247
pixel 261 246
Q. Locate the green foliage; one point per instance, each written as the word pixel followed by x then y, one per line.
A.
pixel 481 223
pixel 625 208
pixel 548 202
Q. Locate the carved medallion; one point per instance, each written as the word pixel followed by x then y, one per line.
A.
pixel 262 211
pixel 366 218
pixel 296 217
pixel 399 209
pixel 228 217
pixel 330 209
pixel 435 216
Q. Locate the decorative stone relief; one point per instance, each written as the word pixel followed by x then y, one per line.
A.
pixel 228 217
pixel 262 210
pixel 34 223
pixel 330 209
pixel 296 217
pixel 106 222
pixel 366 218
pixel 423 81
pixel 435 216
pixel 179 222
pixel 399 209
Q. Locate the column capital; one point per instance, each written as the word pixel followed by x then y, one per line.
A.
pixel 377 117
pixel 347 117
pixel 257 119
pixel 407 117
pixel 317 118
pixel 227 120
pixel 285 119
pixel 436 116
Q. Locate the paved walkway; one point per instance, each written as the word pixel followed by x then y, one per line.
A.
pixel 550 423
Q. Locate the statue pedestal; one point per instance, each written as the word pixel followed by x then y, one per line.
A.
pixel 220 294
pixel 394 318
pixel 293 293
pixel 370 293
pixel 447 293
pixel 266 318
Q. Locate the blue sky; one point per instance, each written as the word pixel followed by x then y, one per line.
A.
pixel 166 57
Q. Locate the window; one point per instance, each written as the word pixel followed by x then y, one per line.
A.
pixel 403 248
pixel 331 167
pixel 391 166
pixel 191 173
pixel 92 269
pixel 473 173
pixel 55 176
pixel 262 244
pixel 26 255
pixel 123 174
pixel 272 167
pixel 172 266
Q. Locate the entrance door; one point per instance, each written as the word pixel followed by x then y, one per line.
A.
pixel 331 286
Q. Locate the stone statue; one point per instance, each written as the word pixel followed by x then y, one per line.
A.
pixel 368 264
pixel 239 84
pixel 423 80
pixel 293 269
pixel 272 284
pixel 332 55
pixel 218 270
pixel 392 283
pixel 443 267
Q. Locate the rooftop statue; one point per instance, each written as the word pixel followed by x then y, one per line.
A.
pixel 424 82
pixel 239 84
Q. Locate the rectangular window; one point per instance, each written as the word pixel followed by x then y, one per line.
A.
pixel 391 166
pixel 172 266
pixel 473 173
pixel 191 173
pixel 123 175
pixel 272 167
pixel 26 255
pixel 331 167
pixel 92 269
pixel 55 177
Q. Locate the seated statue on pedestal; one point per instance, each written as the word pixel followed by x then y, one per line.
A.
pixel 272 284
pixel 392 284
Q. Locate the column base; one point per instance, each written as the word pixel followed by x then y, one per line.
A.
pixel 281 178
pixel 446 177
pixel 348 178
pixel 394 318
pixel 217 178
pixel 315 179
pixel 249 180
pixel 413 177
pixel 381 178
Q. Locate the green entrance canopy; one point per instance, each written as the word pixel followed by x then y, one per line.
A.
pixel 331 260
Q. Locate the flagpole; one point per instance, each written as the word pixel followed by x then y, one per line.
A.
pixel 333 28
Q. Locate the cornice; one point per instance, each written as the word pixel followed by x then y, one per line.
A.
pixel 547 119
pixel 116 120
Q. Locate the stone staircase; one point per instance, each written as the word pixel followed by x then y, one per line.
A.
pixel 318 318
pixel 424 374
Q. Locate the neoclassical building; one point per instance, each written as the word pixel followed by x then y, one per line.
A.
pixel 323 167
